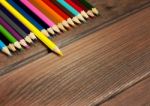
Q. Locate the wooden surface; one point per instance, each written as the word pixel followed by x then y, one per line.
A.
pixel 121 9
pixel 93 69
pixel 138 95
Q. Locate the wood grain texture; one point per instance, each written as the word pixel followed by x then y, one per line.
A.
pixel 93 69
pixel 138 95
pixel 121 9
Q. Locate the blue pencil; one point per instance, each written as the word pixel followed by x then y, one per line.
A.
pixel 28 11
pixel 4 48
pixel 71 9
pixel 28 17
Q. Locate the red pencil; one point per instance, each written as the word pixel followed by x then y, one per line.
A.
pixel 89 12
pixel 60 12
pixel 78 8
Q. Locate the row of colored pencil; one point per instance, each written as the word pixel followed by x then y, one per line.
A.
pixel 23 21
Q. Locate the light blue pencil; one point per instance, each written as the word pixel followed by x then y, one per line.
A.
pixel 71 9
pixel 4 48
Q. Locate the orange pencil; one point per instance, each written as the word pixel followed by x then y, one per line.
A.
pixel 49 12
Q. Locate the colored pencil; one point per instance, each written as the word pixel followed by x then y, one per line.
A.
pixel 8 35
pixel 41 15
pixel 59 11
pixel 78 8
pixel 17 7
pixel 41 36
pixel 37 19
pixel 88 11
pixel 24 28
pixel 49 12
pixel 8 44
pixel 14 33
pixel 74 18
pixel 16 27
pixel 71 9
pixel 89 6
pixel 60 25
pixel 4 48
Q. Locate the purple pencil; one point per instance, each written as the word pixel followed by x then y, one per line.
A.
pixel 14 33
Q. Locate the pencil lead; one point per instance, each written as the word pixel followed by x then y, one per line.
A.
pixel 50 37
pixel 57 50
pixel 21 49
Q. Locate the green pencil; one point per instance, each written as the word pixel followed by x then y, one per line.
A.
pixel 9 37
pixel 89 6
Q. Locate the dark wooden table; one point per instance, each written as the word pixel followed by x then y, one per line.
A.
pixel 106 62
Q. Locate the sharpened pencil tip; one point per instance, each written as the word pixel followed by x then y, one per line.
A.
pixel 57 50
pixel 27 47
pixel 60 53
pixel 9 54
pixel 95 11
pixel 50 37
pixel 6 51
pixel 21 49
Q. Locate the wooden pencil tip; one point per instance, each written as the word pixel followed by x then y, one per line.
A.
pixel 23 43
pixel 44 31
pixel 57 50
pixel 12 47
pixel 95 11
pixel 84 14
pixel 65 23
pixel 80 17
pixel 76 20
pixel 17 45
pixel 6 51
pixel 28 40
pixel 69 20
pixel 32 36
pixel 56 29
pixel 90 13
pixel 61 27
pixel 51 31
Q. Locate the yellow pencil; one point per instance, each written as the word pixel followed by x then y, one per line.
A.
pixel 39 35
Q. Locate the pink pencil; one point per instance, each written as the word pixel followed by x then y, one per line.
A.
pixel 44 18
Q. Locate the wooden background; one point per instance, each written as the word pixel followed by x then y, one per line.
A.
pixel 106 63
pixel 108 16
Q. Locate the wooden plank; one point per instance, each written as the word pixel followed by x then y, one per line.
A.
pixel 108 16
pixel 138 95
pixel 93 69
